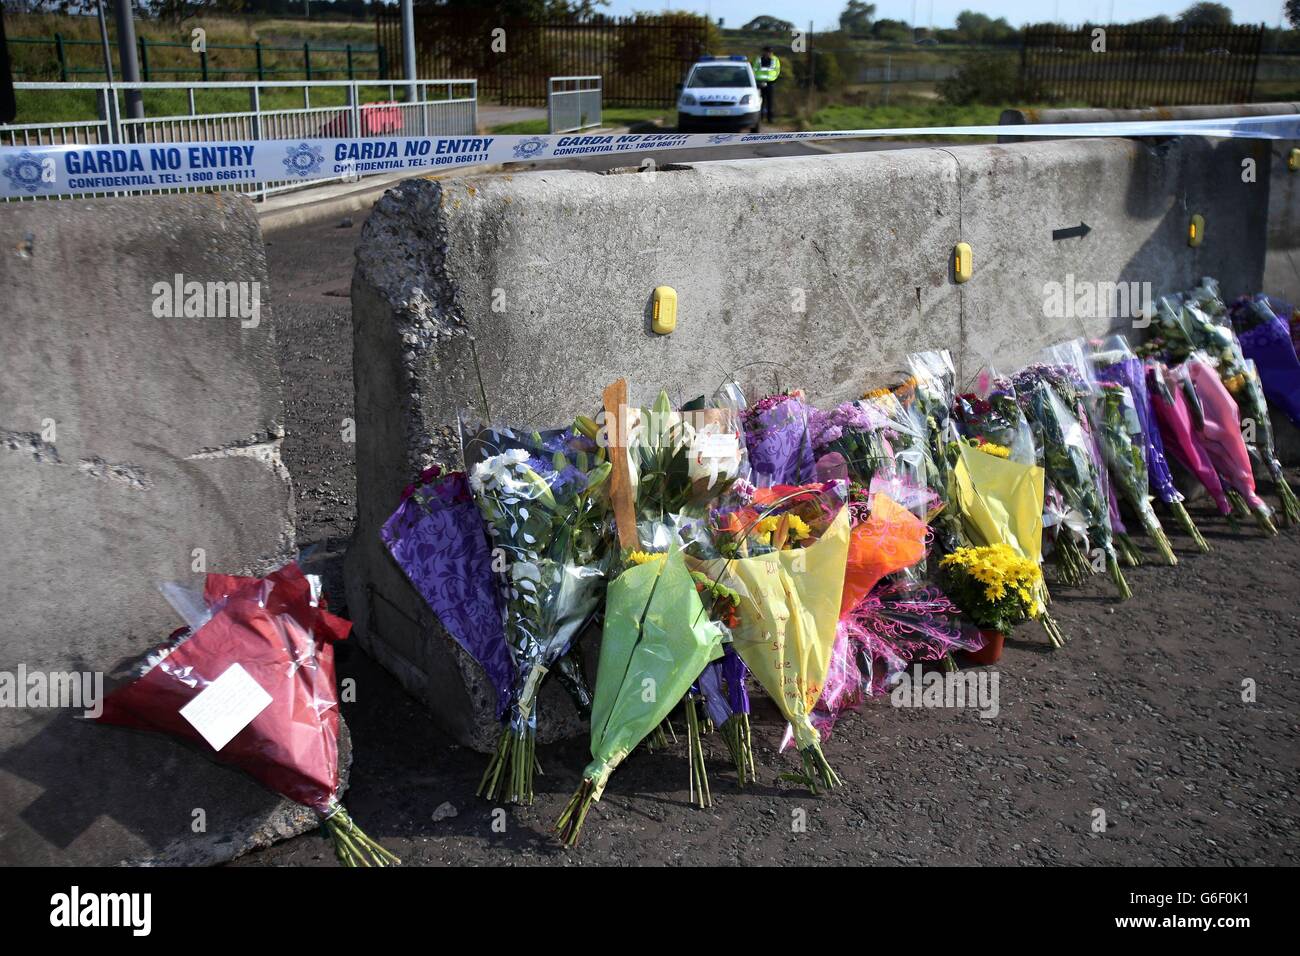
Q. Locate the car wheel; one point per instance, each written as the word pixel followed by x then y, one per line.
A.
pixel 758 127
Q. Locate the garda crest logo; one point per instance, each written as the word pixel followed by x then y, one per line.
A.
pixel 530 148
pixel 25 171
pixel 302 160
pixel 718 139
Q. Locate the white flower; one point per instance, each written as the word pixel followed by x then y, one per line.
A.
pixel 495 472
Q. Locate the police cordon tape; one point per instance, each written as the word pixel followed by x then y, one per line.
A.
pixel 80 169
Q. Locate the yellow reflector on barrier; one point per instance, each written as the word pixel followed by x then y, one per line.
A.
pixel 664 316
pixel 961 261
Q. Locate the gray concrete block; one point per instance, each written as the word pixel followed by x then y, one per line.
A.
pixel 821 272
pixel 1281 276
pixel 127 441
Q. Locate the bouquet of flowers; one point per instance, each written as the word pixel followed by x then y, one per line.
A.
pixel 679 463
pixel 1264 331
pixel 1079 389
pixel 928 395
pixel 778 436
pixel 1069 464
pixel 1119 432
pixel 885 538
pixel 995 418
pixel 1116 364
pixel 1198 322
pixel 1001 502
pixel 1178 414
pixel 437 537
pixel 251 683
pixel 544 500
pixel 854 433
pixel 900 622
pixel 993 584
pixel 1220 436
pixel 786 564
pixel 657 640
pixel 722 685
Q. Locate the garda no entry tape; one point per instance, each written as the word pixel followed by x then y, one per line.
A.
pixel 70 170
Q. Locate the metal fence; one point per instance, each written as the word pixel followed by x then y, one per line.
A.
pixel 310 60
pixel 572 103
pixel 642 57
pixel 442 108
pixel 1127 66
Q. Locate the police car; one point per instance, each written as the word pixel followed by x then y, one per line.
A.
pixel 719 94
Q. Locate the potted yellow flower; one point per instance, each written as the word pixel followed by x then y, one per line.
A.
pixel 996 588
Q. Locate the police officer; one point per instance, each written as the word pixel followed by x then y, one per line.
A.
pixel 767 69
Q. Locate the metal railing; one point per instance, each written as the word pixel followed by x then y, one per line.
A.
pixel 1143 65
pixel 442 108
pixel 572 103
pixel 210 60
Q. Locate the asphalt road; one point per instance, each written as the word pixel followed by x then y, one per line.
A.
pixel 1140 718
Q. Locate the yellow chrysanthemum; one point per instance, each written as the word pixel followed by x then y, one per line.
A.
pixel 997 451
pixel 798 528
pixel 643 557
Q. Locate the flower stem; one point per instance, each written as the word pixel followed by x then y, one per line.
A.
pixel 1073 569
pixel 489 785
pixel 352 846
pixel 1290 506
pixel 1264 522
pixel 1156 533
pixel 1117 576
pixel 1189 526
pixel 1053 630
pixel 698 775
pixel 1238 503
pixel 569 825
pixel 1128 550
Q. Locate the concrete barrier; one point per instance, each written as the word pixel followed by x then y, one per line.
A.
pixel 129 438
pixel 522 296
pixel 1282 252
pixel 1282 259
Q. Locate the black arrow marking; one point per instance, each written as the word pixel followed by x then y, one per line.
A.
pixel 1081 230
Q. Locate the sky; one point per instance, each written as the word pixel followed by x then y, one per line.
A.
pixel 824 14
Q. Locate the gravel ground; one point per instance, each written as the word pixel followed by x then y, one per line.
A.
pixel 1140 716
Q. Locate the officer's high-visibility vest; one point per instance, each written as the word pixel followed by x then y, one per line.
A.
pixel 767 74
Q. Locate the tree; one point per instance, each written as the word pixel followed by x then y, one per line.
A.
pixel 766 24
pixel 894 31
pixel 1206 15
pixel 1293 13
pixel 987 78
pixel 856 17
pixel 980 28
